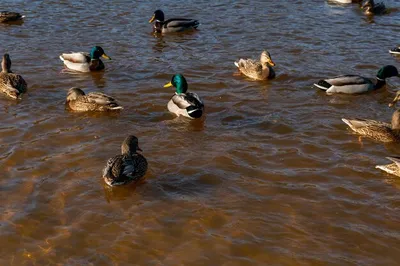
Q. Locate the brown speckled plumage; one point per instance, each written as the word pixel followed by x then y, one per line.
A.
pixel 11 84
pixel 129 166
pixel 258 70
pixel 77 100
pixel 393 168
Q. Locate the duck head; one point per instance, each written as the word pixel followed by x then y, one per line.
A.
pixel 6 63
pixel 74 93
pixel 265 59
pixel 157 16
pixel 179 82
pixel 98 52
pixel 130 145
pixel 387 72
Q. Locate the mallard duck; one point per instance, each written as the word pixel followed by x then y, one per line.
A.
pixel 377 130
pixel 128 167
pixel 172 24
pixel 184 103
pixel 6 16
pixel 77 100
pixel 393 168
pixel 395 51
pixel 11 84
pixel 370 8
pixel 258 70
pixel 84 62
pixel 353 84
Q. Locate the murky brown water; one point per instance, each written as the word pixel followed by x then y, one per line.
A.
pixel 270 177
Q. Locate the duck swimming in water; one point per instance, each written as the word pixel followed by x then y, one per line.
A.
pixel 173 24
pixel 77 100
pixel 353 84
pixel 6 16
pixel 12 85
pixel 257 70
pixel 377 130
pixel 85 62
pixel 184 103
pixel 130 166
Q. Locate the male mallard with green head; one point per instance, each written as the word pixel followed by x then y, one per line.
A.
pixel 393 168
pixel 258 70
pixel 354 84
pixel 85 62
pixel 377 130
pixel 172 24
pixel 77 100
pixel 184 103
pixel 6 16
pixel 128 167
pixel 11 84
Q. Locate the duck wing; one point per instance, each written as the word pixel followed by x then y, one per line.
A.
pixel 396 160
pixel 79 57
pixel 358 123
pixel 184 100
pixel 181 23
pixel 77 61
pixel 102 99
pixel 347 80
pixel 250 67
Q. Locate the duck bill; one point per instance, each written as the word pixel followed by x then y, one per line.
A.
pixel 271 63
pixel 169 84
pixel 139 149
pixel 106 56
pixel 395 100
pixel 152 18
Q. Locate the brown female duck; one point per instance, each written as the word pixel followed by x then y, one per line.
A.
pixel 11 84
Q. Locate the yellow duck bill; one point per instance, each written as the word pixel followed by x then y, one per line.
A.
pixel 152 18
pixel 169 84
pixel 106 56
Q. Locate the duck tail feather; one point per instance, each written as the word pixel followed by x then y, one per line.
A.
pixel 323 85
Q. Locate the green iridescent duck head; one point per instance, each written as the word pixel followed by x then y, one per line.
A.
pixel 387 72
pixel 98 52
pixel 179 82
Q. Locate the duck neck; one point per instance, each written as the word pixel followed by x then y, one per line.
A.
pixel 379 83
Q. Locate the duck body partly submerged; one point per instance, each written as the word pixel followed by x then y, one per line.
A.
pixel 173 24
pixel 355 84
pixel 372 8
pixel 6 16
pixel 393 168
pixel 257 70
pixel 12 85
pixel 130 166
pixel 395 51
pixel 184 103
pixel 85 62
pixel 377 130
pixel 78 101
